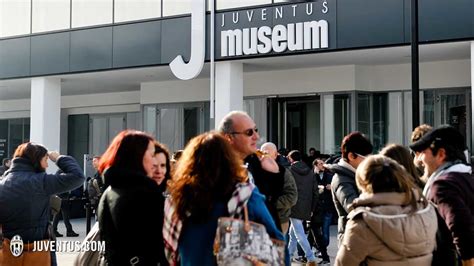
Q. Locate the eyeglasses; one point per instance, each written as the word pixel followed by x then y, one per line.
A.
pixel 249 132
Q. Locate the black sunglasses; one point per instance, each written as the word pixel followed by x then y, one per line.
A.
pixel 249 132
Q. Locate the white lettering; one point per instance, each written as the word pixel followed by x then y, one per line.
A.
pixel 325 7
pixel 294 10
pixel 235 17
pixel 309 9
pixel 250 15
pixel 278 12
pixel 250 41
pixel 264 14
pixel 190 70
pixel 295 44
pixel 231 42
pixel 292 37
pixel 223 20
pixel 318 30
pixel 266 45
pixel 279 36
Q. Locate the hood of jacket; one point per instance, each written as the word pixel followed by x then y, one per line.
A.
pixel 340 169
pixel 389 217
pixel 300 168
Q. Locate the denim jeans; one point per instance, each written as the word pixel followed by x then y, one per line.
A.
pixel 327 219
pixel 297 236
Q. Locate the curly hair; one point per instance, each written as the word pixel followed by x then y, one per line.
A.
pixel 207 173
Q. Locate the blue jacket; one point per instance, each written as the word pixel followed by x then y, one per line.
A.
pixel 25 194
pixel 196 240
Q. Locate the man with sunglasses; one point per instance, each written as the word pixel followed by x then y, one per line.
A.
pixel 242 133
pixel 354 148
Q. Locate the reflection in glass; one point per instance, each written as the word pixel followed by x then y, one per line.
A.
pixel 149 120
pixel 49 15
pixel 91 12
pixel 126 10
pixel 171 128
pixel 336 121
pixel 379 136
pixel 99 136
pixel 225 4
pixel 257 109
pixel 363 113
pixel 15 17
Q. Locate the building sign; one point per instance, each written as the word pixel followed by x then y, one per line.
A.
pixel 289 28
pixel 308 35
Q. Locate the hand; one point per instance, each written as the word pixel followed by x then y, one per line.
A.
pixel 469 262
pixel 268 164
pixel 53 155
pixel 328 186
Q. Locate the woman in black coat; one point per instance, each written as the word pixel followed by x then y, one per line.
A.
pixel 128 217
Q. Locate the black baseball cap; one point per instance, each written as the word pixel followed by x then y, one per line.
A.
pixel 440 137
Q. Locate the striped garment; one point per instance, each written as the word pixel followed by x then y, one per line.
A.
pixel 172 225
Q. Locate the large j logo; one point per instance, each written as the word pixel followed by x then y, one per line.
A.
pixel 190 70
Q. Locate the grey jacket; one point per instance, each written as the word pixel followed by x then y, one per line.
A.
pixel 344 190
pixel 307 185
pixel 288 198
pixel 25 196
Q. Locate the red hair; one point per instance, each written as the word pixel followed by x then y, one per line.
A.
pixel 126 150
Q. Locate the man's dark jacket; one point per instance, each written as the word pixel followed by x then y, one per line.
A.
pixel 453 194
pixel 344 190
pixel 307 186
pixel 269 184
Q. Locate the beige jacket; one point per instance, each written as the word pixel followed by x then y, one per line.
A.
pixel 381 231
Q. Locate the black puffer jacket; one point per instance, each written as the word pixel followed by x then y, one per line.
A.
pixel 131 218
pixel 307 186
pixel 25 194
pixel 344 190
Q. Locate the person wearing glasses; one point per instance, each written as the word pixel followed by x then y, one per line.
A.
pixel 354 148
pixel 242 133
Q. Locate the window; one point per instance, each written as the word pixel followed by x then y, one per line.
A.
pixel 126 10
pixel 49 15
pixel 15 17
pixel 91 12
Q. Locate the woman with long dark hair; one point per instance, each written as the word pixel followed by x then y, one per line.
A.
pixel 25 193
pixel 200 189
pixel 128 219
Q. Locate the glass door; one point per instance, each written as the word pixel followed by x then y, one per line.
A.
pixel 102 129
pixel 175 124
pixel 449 107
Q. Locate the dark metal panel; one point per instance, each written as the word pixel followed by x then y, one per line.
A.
pixel 369 23
pixel 15 58
pixel 137 44
pixel 91 49
pixel 177 39
pixel 50 53
pixel 440 19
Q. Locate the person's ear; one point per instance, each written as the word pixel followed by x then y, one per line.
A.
pixel 441 154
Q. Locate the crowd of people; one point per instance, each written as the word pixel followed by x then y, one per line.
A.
pixel 400 206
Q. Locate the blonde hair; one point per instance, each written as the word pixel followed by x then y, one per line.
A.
pixel 378 173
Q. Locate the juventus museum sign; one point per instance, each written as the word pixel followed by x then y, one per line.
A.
pixel 290 28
